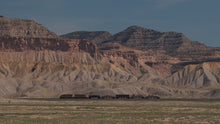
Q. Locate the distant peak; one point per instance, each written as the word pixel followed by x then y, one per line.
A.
pixel 135 27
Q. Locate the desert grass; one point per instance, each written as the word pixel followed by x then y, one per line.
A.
pixel 22 111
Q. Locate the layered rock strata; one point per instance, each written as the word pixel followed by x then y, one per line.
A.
pixel 37 63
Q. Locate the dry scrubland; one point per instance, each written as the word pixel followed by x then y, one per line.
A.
pixel 22 111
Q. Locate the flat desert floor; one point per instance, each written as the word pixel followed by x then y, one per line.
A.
pixel 35 111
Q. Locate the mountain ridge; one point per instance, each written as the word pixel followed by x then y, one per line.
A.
pixel 173 43
pixel 46 65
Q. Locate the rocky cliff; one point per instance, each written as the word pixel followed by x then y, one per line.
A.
pixel 134 61
pixel 23 28
pixel 49 50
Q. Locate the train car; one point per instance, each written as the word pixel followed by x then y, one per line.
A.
pixel 152 97
pixel 108 97
pixel 80 96
pixel 122 96
pixel 66 96
pixel 94 97
pixel 137 96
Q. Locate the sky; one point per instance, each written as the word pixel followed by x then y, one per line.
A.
pixel 199 20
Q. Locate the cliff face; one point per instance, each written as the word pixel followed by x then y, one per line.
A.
pixel 23 28
pixel 134 61
pixel 13 49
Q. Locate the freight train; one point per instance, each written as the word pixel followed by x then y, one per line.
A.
pixel 117 96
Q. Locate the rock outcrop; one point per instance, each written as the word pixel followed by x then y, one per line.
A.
pixel 49 50
pixel 23 28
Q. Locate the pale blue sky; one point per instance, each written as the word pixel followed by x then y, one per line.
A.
pixel 199 20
